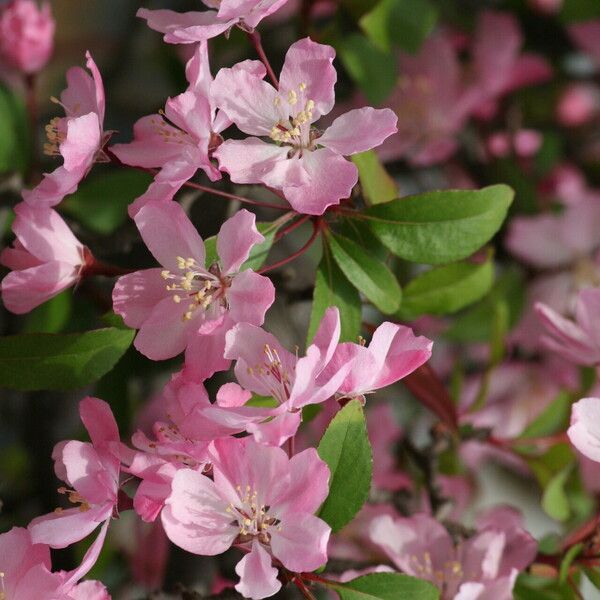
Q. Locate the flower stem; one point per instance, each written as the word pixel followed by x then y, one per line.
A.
pixel 281 234
pixel 254 37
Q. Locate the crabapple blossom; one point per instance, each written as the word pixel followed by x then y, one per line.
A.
pixel 26 35
pixel 184 298
pixel 92 471
pixel 45 259
pixel 260 500
pixel 578 104
pixel 307 165
pixel 483 566
pixel 78 137
pixel 584 431
pixel 189 27
pixel 577 341
pixel 180 139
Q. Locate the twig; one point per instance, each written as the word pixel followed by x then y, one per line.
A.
pixel 254 37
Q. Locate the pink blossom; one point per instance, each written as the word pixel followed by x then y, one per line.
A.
pixel 483 566
pixel 546 7
pixel 524 143
pixel 92 471
pixel 260 499
pixel 307 166
pixel 185 298
pixel 78 136
pixel 577 341
pixel 584 431
pixel 189 27
pixel 578 104
pixel 498 64
pixel 180 140
pixel 586 35
pixel 566 183
pixel 45 259
pixel 26 35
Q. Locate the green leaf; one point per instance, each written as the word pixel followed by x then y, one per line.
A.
pixel 555 501
pixel 368 275
pixel 101 202
pixel 14 148
pixel 376 183
pixel 440 227
pixel 386 586
pixel 52 316
pixel 406 23
pixel 372 69
pixel 333 289
pixel 568 559
pixel 553 419
pixel 357 8
pixel 593 574
pixel 42 361
pixel 444 290
pixel 258 254
pixel 346 449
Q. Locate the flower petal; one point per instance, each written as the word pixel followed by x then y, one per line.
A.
pixel 258 578
pixel 237 236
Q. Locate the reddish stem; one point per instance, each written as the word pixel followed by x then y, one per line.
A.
pixel 97 267
pixel 303 589
pixel 291 227
pixel 254 37
pixel 285 261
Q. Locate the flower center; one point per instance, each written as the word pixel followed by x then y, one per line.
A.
pixel 272 374
pixel 56 136
pixel 296 130
pixel 195 286
pixel 446 580
pixel 254 521
pixel 75 498
pixel 169 132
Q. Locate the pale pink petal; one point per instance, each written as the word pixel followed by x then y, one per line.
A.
pixel 308 71
pixel 53 187
pixel 275 431
pixel 18 554
pixel 99 421
pixel 258 578
pixel 231 395
pixel 250 296
pixel 529 69
pixel 136 294
pixel 89 590
pixel 587 312
pixel 38 582
pixel 84 94
pixel 17 258
pixel 89 559
pixel 236 238
pixel 359 130
pixel 584 431
pixel 330 179
pixel 328 334
pixel 197 70
pixel 204 355
pixel 156 192
pixel 81 144
pixel 168 233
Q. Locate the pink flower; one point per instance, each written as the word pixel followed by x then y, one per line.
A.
pixel 189 27
pixel 26 572
pixel 180 140
pixel 524 143
pixel 307 166
pixel 578 104
pixel 185 298
pixel 483 566
pixel 584 431
pixel 586 35
pixel 577 341
pixel 92 471
pixel 78 137
pixel 260 499
pixel 45 259
pixel 499 66
pixel 546 7
pixel 26 35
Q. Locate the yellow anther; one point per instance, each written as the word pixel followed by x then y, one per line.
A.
pixel 277 101
pixel 165 274
pixel 176 299
pixel 302 86
pixel 181 262
pixel 292 97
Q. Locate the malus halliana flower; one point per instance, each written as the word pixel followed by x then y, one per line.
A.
pixel 45 259
pixel 179 142
pixel 584 431
pixel 92 471
pixel 185 298
pixel 189 27
pixel 481 567
pixel 26 573
pixel 260 499
pixel 26 35
pixel 307 165
pixel 78 136
pixel 577 341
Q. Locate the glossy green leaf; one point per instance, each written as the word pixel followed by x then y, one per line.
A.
pixel 553 419
pixel 367 274
pixel 14 144
pixel 447 289
pixel 567 561
pixel 42 361
pixel 555 501
pixel 405 23
pixel 101 202
pixel 440 227
pixel 52 316
pixel 333 289
pixel 387 586
pixel 376 183
pixel 346 449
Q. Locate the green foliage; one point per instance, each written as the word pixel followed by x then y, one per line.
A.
pixel 555 501
pixel 377 185
pixel 440 227
pixel 333 289
pixel 101 202
pixel 530 587
pixel 447 289
pixel 368 275
pixel 43 361
pixel 386 586
pixel 405 23
pixel 552 420
pixel 52 316
pixel 346 449
pixel 14 147
pixel 373 70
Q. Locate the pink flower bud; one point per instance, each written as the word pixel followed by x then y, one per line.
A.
pixel 26 35
pixel 577 105
pixel 546 7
